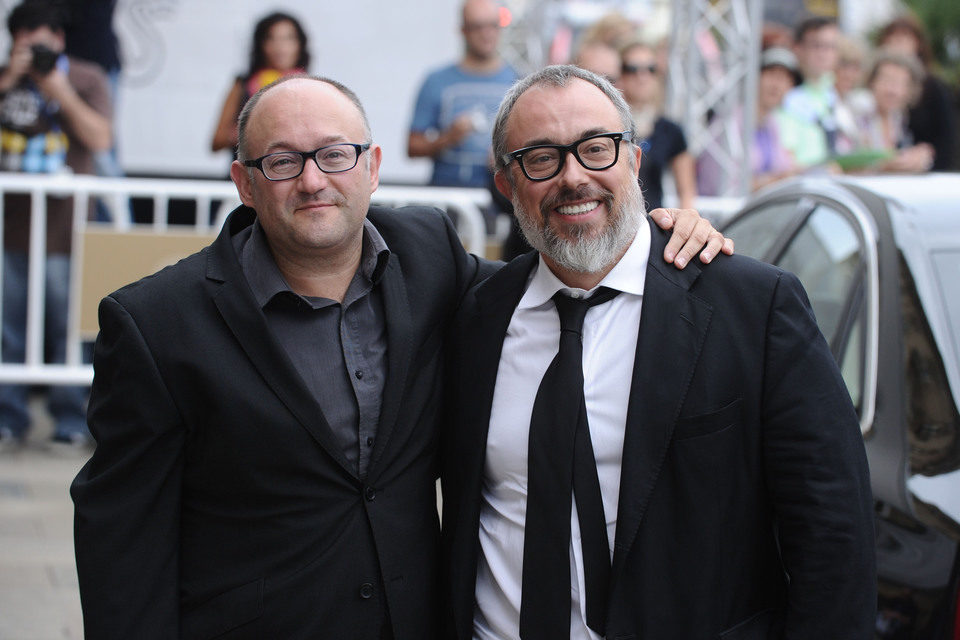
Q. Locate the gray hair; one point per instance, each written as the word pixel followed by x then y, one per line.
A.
pixel 553 76
pixel 251 104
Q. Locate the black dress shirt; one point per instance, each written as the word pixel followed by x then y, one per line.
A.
pixel 339 349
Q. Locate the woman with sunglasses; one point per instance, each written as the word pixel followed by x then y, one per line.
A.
pixel 662 140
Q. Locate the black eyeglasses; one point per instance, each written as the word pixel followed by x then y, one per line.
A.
pixel 544 161
pixel 286 165
pixel 637 68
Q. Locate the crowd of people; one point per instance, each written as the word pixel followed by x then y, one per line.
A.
pixel 850 108
pixel 826 103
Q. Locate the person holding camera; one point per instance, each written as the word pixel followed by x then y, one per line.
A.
pixel 55 113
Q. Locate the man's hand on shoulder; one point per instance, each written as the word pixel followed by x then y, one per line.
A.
pixel 691 234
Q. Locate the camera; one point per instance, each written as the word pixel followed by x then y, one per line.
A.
pixel 44 59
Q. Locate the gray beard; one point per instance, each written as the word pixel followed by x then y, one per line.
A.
pixel 587 252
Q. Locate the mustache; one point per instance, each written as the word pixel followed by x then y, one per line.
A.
pixel 315 199
pixel 565 195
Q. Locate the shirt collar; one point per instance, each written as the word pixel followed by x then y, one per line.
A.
pixel 265 278
pixel 627 276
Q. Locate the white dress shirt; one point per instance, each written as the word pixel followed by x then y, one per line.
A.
pixel 532 341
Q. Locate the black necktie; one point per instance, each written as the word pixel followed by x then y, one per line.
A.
pixel 560 462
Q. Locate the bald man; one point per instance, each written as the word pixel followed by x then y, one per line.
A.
pixel 456 104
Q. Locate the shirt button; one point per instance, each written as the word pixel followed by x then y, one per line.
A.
pixel 370 493
pixel 359 374
pixel 366 591
pixel 369 442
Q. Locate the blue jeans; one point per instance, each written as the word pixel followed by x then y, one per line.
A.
pixel 66 403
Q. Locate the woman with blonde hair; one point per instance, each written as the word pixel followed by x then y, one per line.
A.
pixel 662 140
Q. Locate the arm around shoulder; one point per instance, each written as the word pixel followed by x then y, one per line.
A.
pixel 127 496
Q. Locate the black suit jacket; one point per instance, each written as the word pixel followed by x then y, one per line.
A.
pixel 745 508
pixel 218 502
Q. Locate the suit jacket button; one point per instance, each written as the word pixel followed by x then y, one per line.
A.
pixel 369 493
pixel 366 591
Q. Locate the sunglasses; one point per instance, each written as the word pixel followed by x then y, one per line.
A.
pixel 637 68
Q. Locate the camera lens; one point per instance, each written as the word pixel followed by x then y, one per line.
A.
pixel 44 59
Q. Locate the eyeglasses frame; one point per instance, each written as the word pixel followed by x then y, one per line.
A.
pixel 306 155
pixel 565 149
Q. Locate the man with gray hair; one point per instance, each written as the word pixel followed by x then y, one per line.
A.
pixel 636 451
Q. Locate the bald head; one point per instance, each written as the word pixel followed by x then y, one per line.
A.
pixel 292 88
pixel 480 11
pixel 481 30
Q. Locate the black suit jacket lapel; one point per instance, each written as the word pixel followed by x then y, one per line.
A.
pixel 673 325
pixel 399 355
pixel 233 298
pixel 497 298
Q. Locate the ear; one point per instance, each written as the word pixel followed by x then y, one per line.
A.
pixel 638 156
pixel 241 178
pixel 376 156
pixel 502 182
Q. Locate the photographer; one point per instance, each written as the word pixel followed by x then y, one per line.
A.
pixel 54 115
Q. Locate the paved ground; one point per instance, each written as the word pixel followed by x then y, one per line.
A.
pixel 38 577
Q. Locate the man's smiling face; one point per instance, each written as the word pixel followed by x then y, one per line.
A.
pixel 577 205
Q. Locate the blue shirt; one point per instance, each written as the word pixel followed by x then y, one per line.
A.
pixel 446 94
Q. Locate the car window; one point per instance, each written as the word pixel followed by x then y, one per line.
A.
pixel 825 254
pixel 946 264
pixel 933 426
pixel 851 360
pixel 755 233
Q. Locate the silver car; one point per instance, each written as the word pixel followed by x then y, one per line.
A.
pixel 880 260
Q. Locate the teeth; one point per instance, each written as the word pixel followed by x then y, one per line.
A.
pixel 574 209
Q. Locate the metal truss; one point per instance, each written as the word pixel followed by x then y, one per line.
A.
pixel 712 82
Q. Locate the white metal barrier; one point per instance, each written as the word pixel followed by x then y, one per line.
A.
pixel 117 194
